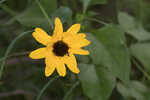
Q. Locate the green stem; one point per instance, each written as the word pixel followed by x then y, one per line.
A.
pixel 45 87
pixel 139 67
pixel 96 20
pixel 44 13
pixel 70 91
pixel 9 49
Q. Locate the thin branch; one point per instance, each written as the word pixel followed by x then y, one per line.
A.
pixel 9 49
pixel 70 90
pixel 142 70
pixel 96 20
pixel 7 9
pixel 44 13
pixel 45 87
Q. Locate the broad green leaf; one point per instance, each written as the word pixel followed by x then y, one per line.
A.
pixel 142 52
pixel 33 16
pixel 134 89
pixel 132 27
pixel 64 13
pixel 110 50
pixel 97 82
pixel 98 53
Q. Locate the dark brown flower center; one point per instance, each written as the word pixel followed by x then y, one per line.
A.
pixel 60 48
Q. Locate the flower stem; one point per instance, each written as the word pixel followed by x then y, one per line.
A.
pixel 44 13
pixel 45 87
pixel 71 89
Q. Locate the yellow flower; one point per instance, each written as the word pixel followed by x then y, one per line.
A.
pixel 60 48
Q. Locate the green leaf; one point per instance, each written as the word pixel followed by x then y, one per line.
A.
pixel 134 89
pixel 98 53
pixel 110 50
pixel 97 83
pixel 142 52
pixel 94 2
pixel 132 27
pixel 64 13
pixel 33 16
pixel 86 3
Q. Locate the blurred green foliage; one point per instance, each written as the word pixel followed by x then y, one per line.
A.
pixel 117 68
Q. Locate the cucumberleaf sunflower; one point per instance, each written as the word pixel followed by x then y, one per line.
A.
pixel 60 48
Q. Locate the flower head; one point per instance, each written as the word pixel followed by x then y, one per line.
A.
pixel 60 48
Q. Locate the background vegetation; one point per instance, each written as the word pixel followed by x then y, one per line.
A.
pixel 118 67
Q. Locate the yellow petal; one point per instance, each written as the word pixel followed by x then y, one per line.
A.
pixel 68 35
pixel 41 36
pixel 80 43
pixel 79 51
pixel 58 29
pixel 49 69
pixel 71 63
pixel 76 41
pixel 52 60
pixel 38 53
pixel 81 35
pixel 61 69
pixel 74 29
pixel 50 64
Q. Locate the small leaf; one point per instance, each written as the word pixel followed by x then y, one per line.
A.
pixel 132 27
pixel 134 89
pixel 142 52
pixel 97 82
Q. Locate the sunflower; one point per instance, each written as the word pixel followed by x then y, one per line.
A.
pixel 60 48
